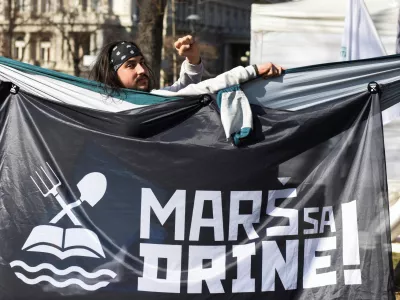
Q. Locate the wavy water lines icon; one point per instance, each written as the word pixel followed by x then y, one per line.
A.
pixel 98 273
pixel 67 271
pixel 62 284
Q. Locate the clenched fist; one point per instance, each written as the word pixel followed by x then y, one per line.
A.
pixel 187 46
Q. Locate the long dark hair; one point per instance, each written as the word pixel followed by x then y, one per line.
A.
pixel 104 73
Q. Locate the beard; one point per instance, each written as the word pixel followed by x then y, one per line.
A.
pixel 139 86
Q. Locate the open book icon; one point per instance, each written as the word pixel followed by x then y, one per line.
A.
pixel 64 243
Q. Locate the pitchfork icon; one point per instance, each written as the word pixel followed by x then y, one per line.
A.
pixel 92 188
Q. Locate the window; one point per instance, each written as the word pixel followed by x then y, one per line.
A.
pixel 220 18
pixel 85 45
pixel 60 5
pixel 228 17
pixel 236 22
pixel 81 5
pixel 45 50
pixel 84 5
pixel 211 18
pixel 19 47
pixel 21 5
pixel 34 6
pixel 95 5
pixel 81 43
pixel 46 6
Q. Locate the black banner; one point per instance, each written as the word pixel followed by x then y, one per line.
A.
pixel 154 203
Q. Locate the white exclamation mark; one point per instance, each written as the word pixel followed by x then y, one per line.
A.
pixel 351 250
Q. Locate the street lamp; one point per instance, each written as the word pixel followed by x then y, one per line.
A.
pixel 193 19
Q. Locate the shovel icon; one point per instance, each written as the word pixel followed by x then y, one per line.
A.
pixel 92 188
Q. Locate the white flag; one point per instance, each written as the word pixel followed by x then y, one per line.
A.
pixel 360 39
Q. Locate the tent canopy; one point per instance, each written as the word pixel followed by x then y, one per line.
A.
pixel 308 32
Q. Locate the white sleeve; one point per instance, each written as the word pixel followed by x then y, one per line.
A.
pixel 189 74
pixel 211 86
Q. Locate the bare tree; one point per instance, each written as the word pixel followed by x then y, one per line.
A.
pixel 150 31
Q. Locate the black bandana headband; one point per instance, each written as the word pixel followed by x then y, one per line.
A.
pixel 122 52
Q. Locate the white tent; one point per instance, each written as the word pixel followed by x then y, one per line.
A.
pixel 308 32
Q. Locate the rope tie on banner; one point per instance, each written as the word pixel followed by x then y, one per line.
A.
pixel 374 88
pixel 14 89
pixel 205 100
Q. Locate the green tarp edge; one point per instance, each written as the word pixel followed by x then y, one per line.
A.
pixel 143 98
pixel 135 97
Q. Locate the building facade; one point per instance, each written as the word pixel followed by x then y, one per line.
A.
pixel 63 35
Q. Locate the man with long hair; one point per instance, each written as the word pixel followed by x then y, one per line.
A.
pixel 121 64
